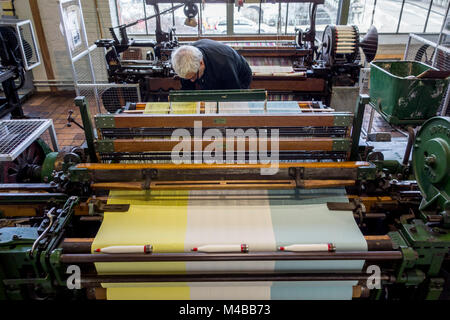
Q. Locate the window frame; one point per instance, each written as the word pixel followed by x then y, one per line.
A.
pixel 342 18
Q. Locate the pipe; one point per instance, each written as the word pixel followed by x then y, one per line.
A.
pixel 94 280
pixel 43 234
pixel 52 80
pixel 411 136
pixel 22 198
pixel 27 186
pixel 53 85
pixel 83 245
pixel 256 256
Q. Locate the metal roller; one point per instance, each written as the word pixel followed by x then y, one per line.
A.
pixel 340 44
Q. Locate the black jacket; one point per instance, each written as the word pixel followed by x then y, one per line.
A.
pixel 224 68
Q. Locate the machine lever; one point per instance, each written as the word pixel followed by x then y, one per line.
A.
pixel 50 223
pixel 70 120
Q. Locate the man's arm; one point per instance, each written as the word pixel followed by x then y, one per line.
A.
pixel 245 74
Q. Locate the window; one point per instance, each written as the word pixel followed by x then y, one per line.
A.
pixel 256 18
pixel 298 15
pixel 166 19
pixel 129 11
pixel 282 18
pixel 389 16
pixel 214 18
pixel 398 16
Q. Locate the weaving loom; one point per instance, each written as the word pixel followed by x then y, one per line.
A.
pixel 177 221
pixel 139 225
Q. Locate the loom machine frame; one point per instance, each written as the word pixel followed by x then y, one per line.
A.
pixel 318 75
pixel 69 197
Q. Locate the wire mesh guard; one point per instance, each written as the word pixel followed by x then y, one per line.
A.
pixel 30 50
pixel 442 59
pixel 108 97
pixel 25 40
pixel 425 50
pixel 420 51
pixel 89 65
pixel 17 135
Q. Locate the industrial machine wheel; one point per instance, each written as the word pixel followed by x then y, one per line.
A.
pixel 26 167
pixel 340 44
pixel 431 163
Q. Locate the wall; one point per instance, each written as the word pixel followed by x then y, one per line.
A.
pixel 49 10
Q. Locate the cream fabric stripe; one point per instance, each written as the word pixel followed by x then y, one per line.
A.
pixel 227 220
pixel 230 291
pixel 234 107
pixel 210 107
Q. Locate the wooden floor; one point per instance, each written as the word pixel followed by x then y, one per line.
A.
pixel 56 106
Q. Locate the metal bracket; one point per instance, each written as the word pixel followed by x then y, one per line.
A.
pixel 367 172
pixel 298 174
pixel 343 120
pixel 97 206
pixel 435 288
pixel 148 175
pixel 105 146
pixel 357 206
pixel 409 260
pixel 105 121
pixel 341 145
pixel 360 210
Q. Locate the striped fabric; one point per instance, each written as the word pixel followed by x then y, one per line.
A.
pixel 269 61
pixel 245 107
pixel 241 44
pixel 179 221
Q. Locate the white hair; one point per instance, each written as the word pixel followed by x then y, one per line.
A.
pixel 186 59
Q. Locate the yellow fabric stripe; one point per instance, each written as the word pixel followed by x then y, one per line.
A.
pixel 177 107
pixel 150 220
pixel 149 293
